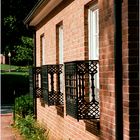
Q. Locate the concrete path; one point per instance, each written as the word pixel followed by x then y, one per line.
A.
pixel 6 131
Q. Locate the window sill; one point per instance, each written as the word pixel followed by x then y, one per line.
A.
pixel 93 126
pixel 60 110
pixel 42 102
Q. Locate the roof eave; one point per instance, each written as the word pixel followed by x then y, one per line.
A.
pixel 39 11
pixel 33 11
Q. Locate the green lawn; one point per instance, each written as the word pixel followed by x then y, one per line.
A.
pixel 16 68
pixel 15 73
pixel 6 67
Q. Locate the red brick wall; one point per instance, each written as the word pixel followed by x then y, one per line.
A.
pixel 62 128
pixel 70 12
pixel 125 69
pixel 73 14
pixel 107 84
pixel 73 31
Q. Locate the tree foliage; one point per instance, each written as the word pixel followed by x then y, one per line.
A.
pixel 12 28
pixel 23 52
pixel 10 23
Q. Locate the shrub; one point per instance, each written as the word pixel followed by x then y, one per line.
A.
pixel 30 129
pixel 24 105
pixel 22 69
pixel 25 121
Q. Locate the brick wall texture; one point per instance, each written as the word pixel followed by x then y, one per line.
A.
pixel 73 15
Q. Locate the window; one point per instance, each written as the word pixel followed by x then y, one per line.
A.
pixel 93 26
pixel 52 74
pixel 42 62
pixel 82 78
pixel 60 32
pixel 60 61
pixel 60 47
pixel 42 50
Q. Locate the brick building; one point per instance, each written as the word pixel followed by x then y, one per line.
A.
pixel 85 82
pixel 2 59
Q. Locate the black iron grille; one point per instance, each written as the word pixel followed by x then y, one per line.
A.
pixel 44 80
pixel 51 84
pixel 38 82
pixel 81 100
pixel 35 78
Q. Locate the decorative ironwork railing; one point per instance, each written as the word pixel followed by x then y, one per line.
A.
pixel 81 99
pixel 38 82
pixel 51 83
pixel 35 78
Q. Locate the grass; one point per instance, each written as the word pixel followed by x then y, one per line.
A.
pixel 6 67
pixel 14 73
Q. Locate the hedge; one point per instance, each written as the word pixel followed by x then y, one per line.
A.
pixel 13 81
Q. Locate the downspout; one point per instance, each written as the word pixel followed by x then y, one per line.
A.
pixel 118 68
pixel 34 71
pixel 34 66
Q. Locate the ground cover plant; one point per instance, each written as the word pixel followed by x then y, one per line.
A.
pixel 25 122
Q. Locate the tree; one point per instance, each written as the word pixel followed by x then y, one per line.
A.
pixel 12 28
pixel 23 52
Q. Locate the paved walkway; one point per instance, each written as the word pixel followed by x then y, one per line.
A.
pixel 6 131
